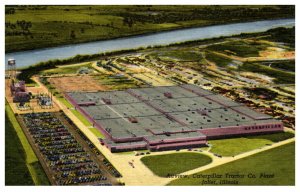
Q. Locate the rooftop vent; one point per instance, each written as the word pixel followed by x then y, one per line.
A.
pixel 132 120
pixel 168 95
pixel 202 112
pixel 106 101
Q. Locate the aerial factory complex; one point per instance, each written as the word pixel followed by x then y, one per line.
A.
pixel 172 107
pixel 170 117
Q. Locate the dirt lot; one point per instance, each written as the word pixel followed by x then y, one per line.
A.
pixel 277 53
pixel 76 83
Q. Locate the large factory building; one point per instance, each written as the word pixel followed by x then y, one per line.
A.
pixel 172 117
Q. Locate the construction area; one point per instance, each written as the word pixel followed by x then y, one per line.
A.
pixel 167 117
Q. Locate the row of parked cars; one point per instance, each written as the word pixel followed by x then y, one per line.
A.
pixel 68 161
pixel 95 150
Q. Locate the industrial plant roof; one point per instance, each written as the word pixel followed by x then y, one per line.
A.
pixel 144 112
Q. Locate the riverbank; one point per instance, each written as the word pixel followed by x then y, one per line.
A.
pixel 27 58
pixel 29 71
pixel 35 27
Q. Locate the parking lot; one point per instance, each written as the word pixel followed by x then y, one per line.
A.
pixel 67 157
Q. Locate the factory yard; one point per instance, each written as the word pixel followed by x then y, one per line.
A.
pixel 31 106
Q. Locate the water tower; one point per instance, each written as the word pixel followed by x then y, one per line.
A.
pixel 11 63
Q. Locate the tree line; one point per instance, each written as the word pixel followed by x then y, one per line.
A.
pixel 214 14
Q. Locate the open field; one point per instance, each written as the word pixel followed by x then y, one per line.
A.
pixel 68 69
pixel 240 48
pixel 44 26
pixel 287 65
pixel 16 170
pixel 74 83
pixel 175 163
pixel 279 163
pixel 281 77
pixel 21 164
pixel 117 82
pixel 235 146
pixel 217 59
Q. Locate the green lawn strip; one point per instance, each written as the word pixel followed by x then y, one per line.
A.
pixel 16 170
pixel 37 173
pixel 275 137
pixel 66 69
pixel 32 85
pixel 81 118
pixel 235 146
pixel 288 65
pixel 97 133
pixel 217 59
pixel 279 161
pixel 65 102
pixel 175 163
pixel 74 111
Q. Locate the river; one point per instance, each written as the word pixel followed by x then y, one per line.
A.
pixel 26 58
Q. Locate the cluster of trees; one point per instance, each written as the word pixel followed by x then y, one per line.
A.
pixel 19 28
pixel 284 35
pixel 24 25
pixel 210 13
pixel 9 11
pixel 128 21
pixel 18 33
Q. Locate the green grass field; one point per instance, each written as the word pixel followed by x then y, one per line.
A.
pixel 31 27
pixel 239 48
pixel 235 146
pixel 175 163
pixel 279 161
pixel 288 65
pixel 21 164
pixel 71 69
pixel 218 60
pixel 281 77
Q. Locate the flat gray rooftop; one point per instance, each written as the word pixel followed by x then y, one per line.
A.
pixel 145 112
